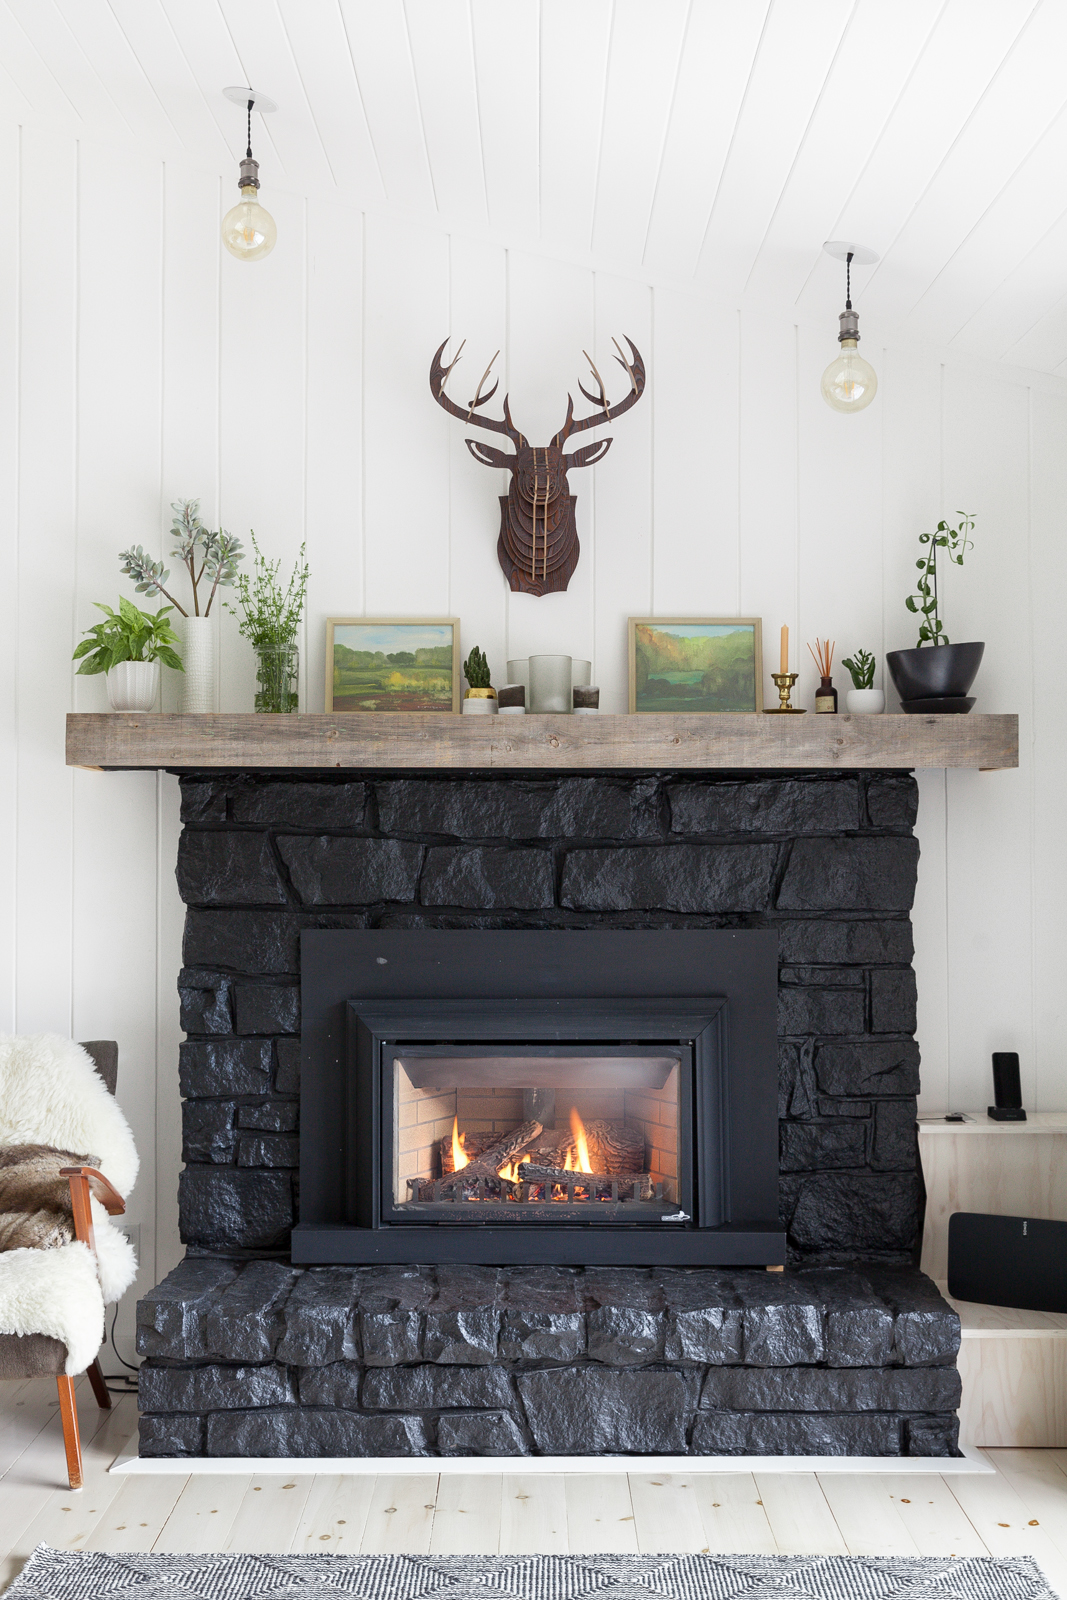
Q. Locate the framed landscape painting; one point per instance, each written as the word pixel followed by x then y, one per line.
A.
pixel 392 664
pixel 696 664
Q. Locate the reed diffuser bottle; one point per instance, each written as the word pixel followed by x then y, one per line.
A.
pixel 825 694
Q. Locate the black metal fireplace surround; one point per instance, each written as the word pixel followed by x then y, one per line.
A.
pixel 406 1035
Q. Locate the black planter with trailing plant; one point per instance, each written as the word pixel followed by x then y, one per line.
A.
pixel 936 675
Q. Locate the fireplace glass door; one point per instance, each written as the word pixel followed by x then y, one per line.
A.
pixel 537 1134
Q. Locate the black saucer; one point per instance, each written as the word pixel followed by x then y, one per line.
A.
pixel 942 704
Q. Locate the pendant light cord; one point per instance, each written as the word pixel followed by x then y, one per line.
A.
pixel 248 152
pixel 848 258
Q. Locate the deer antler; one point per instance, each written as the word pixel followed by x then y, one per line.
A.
pixel 606 413
pixel 439 377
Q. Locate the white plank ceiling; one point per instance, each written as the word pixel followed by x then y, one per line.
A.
pixel 706 144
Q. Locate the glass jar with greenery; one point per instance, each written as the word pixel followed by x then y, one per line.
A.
pixel 269 618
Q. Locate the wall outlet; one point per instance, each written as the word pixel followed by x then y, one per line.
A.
pixel 132 1230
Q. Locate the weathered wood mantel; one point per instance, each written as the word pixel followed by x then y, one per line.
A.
pixel 177 742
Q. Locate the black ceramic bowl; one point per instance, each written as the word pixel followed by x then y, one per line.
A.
pixel 935 671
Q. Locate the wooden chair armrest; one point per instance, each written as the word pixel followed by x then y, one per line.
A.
pixel 85 1181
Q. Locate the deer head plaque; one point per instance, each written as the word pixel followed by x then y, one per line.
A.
pixel 538 544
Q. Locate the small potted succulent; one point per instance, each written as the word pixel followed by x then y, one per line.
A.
pixel 863 698
pixel 129 645
pixel 936 675
pixel 480 698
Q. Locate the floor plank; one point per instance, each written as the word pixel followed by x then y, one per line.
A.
pixel 600 1513
pixel 136 1515
pixel 335 1516
pixel 41 1471
pixel 30 1408
pixel 934 1517
pixel 467 1518
pixel 269 1513
pixel 1008 1526
pixel 1041 1485
pixel 867 1516
pixel 666 1513
pixel 800 1519
pixel 401 1515
pixel 203 1515
pixel 734 1517
pixel 533 1514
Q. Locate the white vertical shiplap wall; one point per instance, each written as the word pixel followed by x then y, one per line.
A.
pixel 139 364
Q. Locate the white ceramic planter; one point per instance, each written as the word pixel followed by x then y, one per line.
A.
pixel 479 708
pixel 864 702
pixel 198 659
pixel 133 685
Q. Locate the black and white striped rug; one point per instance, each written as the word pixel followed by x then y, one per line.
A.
pixel 92 1575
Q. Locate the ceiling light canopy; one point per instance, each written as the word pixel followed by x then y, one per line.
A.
pixel 849 383
pixel 249 232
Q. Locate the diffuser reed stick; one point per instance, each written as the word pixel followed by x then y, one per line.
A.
pixel 823 657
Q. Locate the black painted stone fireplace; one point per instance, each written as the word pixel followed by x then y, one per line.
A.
pixel 497 1344
pixel 626 1082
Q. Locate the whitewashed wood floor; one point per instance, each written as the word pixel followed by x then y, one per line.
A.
pixel 1021 1510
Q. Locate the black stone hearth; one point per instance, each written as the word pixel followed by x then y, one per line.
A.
pixel 239 1359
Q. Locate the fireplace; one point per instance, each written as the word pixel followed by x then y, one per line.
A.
pixel 545 1097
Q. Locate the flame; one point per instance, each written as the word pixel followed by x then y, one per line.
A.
pixel 460 1158
pixel 510 1170
pixel 582 1162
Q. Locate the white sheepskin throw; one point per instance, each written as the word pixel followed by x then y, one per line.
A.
pixel 51 1093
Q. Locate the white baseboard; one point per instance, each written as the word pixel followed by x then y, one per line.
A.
pixel 403 1466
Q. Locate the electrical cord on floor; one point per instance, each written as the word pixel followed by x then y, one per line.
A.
pixel 129 1385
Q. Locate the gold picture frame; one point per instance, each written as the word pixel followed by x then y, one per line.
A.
pixel 692 677
pixel 381 684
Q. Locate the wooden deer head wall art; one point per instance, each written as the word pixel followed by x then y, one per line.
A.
pixel 538 545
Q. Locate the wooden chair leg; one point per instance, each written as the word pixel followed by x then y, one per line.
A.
pixel 69 1412
pixel 100 1388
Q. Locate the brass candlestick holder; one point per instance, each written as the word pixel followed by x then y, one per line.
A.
pixel 784 682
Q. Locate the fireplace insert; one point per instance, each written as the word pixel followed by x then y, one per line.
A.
pixel 527 1097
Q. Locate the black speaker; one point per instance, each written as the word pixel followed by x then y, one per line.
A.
pixel 1007 1261
pixel 1007 1089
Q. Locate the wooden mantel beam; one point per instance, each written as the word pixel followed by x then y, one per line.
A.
pixel 353 740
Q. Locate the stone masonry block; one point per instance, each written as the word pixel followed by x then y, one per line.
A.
pixel 431 1388
pixel 822 1146
pixel 320 1318
pixel 860 874
pixel 213 1388
pixel 170 1436
pixel 461 1336
pixel 274 803
pixel 855 1212
pixel 246 1319
pixel 926 1330
pixel 171 1317
pixel 871 1068
pixel 825 941
pixel 858 1325
pixel 831 1389
pixel 334 1385
pixel 565 808
pixel 270 1116
pixel 294 1431
pixel 704 1316
pixel 211 1067
pixel 622 1336
pixel 227 869
pixel 785 806
pixel 761 1433
pixel 329 871
pixel 207 1131
pixel 287 1076
pixel 256 942
pixel 203 802
pixel 267 1008
pixel 893 802
pixel 680 877
pixel 782 1320
pixel 269 1150
pixel 487 878
pixel 933 1436
pixel 219 1208
pixel 893 1001
pixel 480 1433
pixel 821 1011
pixel 575 1412
pixel 895 1147
pixel 205 1000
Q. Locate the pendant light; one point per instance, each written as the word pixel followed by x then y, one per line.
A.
pixel 249 232
pixel 849 383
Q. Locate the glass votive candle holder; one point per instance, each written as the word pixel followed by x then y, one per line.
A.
pixel 550 687
pixel 586 698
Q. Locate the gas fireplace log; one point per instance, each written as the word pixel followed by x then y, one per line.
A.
pixel 639 1182
pixel 498 1155
pixel 614 1147
pixel 474 1145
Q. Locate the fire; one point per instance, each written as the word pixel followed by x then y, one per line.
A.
pixel 510 1170
pixel 460 1158
pixel 581 1145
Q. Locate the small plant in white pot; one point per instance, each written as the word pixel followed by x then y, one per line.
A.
pixel 129 645
pixel 862 697
pixel 210 557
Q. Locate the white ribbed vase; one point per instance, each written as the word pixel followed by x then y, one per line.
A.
pixel 198 659
pixel 133 685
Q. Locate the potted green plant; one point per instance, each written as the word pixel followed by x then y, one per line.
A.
pixel 863 698
pixel 128 646
pixel 210 557
pixel 270 619
pixel 936 675
pixel 480 698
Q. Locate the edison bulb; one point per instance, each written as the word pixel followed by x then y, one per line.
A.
pixel 248 231
pixel 849 383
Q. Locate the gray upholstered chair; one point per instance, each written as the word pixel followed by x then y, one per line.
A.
pixel 39 1355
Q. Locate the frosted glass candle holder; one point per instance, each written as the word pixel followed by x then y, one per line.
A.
pixel 581 672
pixel 550 687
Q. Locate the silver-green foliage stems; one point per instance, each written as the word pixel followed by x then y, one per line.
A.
pixel 218 553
